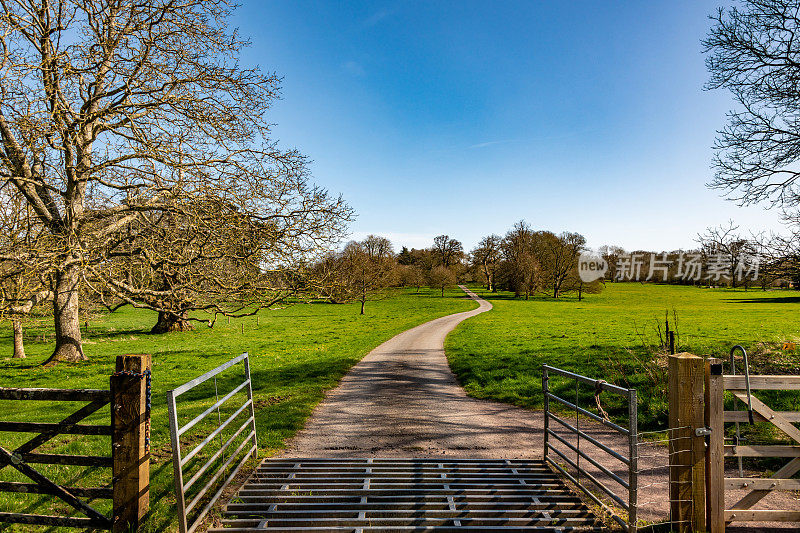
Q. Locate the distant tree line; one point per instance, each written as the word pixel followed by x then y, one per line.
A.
pixel 724 256
pixel 527 262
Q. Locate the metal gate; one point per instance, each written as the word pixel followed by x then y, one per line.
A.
pixel 197 463
pixel 575 456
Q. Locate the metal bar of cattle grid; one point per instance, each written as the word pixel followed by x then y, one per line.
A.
pixel 390 494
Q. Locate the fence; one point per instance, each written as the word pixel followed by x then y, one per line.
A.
pixel 697 475
pixel 129 454
pixel 758 411
pixel 629 460
pixel 198 462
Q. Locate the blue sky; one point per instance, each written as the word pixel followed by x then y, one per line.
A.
pixel 465 117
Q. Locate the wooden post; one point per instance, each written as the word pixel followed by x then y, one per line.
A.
pixel 715 454
pixel 130 420
pixel 686 448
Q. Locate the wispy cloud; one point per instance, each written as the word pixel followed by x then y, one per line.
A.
pixel 354 68
pixel 377 17
pixel 492 143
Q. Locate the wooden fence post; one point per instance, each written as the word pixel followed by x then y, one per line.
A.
pixel 130 442
pixel 686 448
pixel 715 454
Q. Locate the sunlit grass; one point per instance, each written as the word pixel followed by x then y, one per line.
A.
pixel 498 355
pixel 297 353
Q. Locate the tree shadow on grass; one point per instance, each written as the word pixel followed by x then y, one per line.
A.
pixel 781 300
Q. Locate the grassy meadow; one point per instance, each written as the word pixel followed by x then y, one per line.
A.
pixel 297 353
pixel 613 336
pixel 303 350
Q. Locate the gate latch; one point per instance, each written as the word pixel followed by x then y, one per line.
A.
pixel 702 432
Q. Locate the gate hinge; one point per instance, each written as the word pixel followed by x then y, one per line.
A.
pixel 702 432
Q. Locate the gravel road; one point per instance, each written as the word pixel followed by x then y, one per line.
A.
pixel 402 400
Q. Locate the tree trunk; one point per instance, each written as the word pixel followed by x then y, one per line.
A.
pixel 363 302
pixel 580 292
pixel 442 291
pixel 66 317
pixel 169 323
pixel 19 346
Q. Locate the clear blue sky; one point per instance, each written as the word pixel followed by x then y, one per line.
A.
pixel 464 117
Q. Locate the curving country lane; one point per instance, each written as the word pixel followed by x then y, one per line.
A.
pixel 402 400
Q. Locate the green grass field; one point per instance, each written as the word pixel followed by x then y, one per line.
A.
pixel 300 352
pixel 612 336
pixel 297 354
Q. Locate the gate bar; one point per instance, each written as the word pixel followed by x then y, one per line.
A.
pixel 632 434
pixel 591 439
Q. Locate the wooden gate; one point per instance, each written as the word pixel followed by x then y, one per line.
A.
pixel 128 426
pixel 717 483
pixel 24 457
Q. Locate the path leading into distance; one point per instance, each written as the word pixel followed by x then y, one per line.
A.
pixel 402 400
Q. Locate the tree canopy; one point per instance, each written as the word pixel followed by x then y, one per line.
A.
pixel 130 129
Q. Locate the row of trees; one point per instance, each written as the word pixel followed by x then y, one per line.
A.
pixel 724 255
pixel 363 270
pixel 528 261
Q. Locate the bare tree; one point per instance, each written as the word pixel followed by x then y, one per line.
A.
pixel 779 254
pixel 448 251
pixel 486 256
pixel 441 277
pixel 558 254
pixel 23 250
pixel 611 255
pixel 411 276
pixel 753 51
pixel 522 267
pixel 724 242
pixel 113 114
pixel 366 269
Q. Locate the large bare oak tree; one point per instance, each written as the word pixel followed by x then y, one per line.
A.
pixel 121 115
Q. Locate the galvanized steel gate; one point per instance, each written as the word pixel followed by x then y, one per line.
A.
pixel 201 464
pixel 600 476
